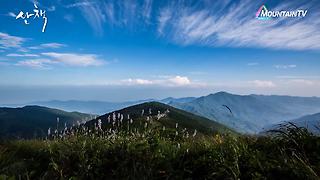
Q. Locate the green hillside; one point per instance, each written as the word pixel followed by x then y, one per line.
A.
pixel 34 121
pixel 171 117
pixel 86 153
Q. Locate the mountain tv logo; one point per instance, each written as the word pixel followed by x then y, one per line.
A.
pixel 264 14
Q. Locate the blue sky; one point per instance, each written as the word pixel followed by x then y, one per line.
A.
pixel 123 50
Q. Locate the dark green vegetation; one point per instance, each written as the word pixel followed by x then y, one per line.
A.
pixel 161 142
pixel 250 113
pixel 34 121
pixel 289 154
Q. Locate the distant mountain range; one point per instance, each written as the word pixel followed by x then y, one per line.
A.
pixel 184 119
pixel 244 113
pixel 96 107
pixel 91 107
pixel 170 100
pixel 250 113
pixel 34 121
pixel 310 122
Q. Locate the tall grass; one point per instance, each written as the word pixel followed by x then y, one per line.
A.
pixel 114 151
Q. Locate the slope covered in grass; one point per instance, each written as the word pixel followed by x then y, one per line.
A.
pixel 34 121
pixel 171 117
pixel 291 154
pixel 111 147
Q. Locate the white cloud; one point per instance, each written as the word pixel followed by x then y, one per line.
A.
pixel 22 55
pixel 35 63
pixel 262 84
pixel 288 66
pixel 180 80
pixel 73 59
pixel 8 41
pixel 171 81
pixel 137 81
pixel 48 45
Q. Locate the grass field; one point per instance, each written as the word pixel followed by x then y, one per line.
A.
pixel 146 153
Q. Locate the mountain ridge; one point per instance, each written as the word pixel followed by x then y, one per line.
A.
pixel 250 113
pixel 183 118
pixel 34 121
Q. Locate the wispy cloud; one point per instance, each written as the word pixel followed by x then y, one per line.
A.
pixel 253 64
pixel 48 59
pixel 262 84
pixel 93 14
pixel 236 26
pixel 163 19
pixel 68 17
pixel 35 63
pixel 48 45
pixel 303 82
pixel 22 55
pixel 297 77
pixel 11 14
pixel 73 59
pixel 109 10
pixel 78 4
pixel 51 8
pixel 9 41
pixel 285 66
pixel 147 9
pixel 209 23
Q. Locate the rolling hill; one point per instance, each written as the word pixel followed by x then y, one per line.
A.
pixel 250 113
pixel 34 121
pixel 172 116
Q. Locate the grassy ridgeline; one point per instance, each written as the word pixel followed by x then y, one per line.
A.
pixel 292 153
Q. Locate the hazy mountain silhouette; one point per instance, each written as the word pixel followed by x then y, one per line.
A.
pixel 250 113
